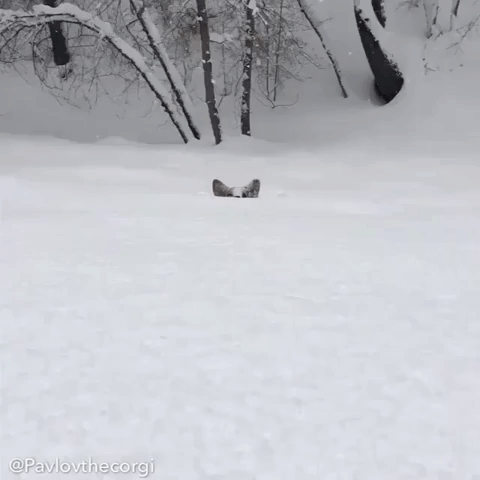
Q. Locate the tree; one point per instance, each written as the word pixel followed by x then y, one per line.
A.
pixel 12 24
pixel 316 26
pixel 61 56
pixel 250 9
pixel 379 9
pixel 454 13
pixel 159 52
pixel 455 7
pixel 278 49
pixel 208 72
pixel 431 8
pixel 388 79
pixel 280 46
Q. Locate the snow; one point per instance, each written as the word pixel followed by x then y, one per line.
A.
pixel 328 329
pixel 69 9
pixel 328 333
pixel 252 5
pixel 221 38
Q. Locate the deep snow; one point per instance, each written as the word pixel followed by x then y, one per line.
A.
pixel 328 329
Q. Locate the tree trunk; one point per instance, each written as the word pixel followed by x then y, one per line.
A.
pixel 59 42
pixel 454 14
pixel 207 71
pixel 379 9
pixel 173 77
pixel 431 11
pixel 455 7
pixel 277 53
pixel 247 69
pixel 316 25
pixel 267 66
pixel 387 76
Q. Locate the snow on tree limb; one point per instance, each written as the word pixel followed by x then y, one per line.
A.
pixel 68 13
pixel 61 55
pixel 171 72
pixel 316 25
pixel 252 5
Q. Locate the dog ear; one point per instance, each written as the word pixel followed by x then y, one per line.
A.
pixel 252 189
pixel 220 189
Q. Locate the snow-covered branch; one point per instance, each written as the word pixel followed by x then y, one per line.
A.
pixel 317 28
pixel 171 72
pixel 68 13
pixel 431 12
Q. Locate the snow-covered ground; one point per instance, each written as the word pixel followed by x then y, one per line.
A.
pixel 327 330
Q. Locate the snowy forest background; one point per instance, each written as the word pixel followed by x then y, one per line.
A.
pixel 144 60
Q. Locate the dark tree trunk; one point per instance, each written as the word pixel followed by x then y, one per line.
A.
pixel 59 42
pixel 456 5
pixel 277 53
pixel 207 71
pixel 379 9
pixel 387 76
pixel 247 70
pixel 431 10
pixel 454 13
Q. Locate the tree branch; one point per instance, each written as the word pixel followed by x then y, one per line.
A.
pixel 68 13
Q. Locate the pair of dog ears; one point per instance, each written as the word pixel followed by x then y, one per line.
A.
pixel 248 191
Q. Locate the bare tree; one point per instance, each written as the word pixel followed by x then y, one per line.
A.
pixel 247 67
pixel 12 24
pixel 208 71
pixel 159 52
pixel 454 13
pixel 317 28
pixel 280 46
pixel 277 52
pixel 431 8
pixel 455 7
